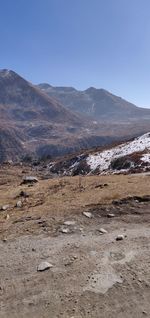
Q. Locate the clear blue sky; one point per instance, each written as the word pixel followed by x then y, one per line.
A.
pixel 80 43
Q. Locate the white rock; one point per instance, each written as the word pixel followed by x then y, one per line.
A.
pixel 19 204
pixel 65 231
pixel 120 237
pixel 69 223
pixel 5 207
pixel 88 214
pixel 29 179
pixel 110 215
pixel 102 231
pixel 44 266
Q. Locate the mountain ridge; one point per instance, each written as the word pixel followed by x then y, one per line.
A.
pixel 97 103
pixel 34 123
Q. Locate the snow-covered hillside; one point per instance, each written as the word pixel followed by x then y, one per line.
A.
pixel 132 156
pixel 103 160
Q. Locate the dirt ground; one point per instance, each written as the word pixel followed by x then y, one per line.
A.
pixel 93 274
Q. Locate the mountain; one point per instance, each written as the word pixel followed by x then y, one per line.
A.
pixel 97 103
pixel 34 123
pixel 30 119
pixel 129 157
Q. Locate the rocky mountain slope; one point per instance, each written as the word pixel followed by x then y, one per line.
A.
pixel 31 122
pixel 97 103
pixel 129 157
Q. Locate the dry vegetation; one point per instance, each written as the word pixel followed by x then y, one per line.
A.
pixel 93 276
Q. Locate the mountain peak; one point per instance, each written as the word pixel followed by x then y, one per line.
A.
pixel 5 72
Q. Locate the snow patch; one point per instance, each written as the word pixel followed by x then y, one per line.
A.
pixel 102 160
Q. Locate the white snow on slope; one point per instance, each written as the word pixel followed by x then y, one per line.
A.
pixel 102 160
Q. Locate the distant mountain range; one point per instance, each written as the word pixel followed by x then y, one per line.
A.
pixel 97 103
pixel 46 121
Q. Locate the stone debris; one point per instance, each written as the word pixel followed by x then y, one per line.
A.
pixel 4 207
pixel 110 215
pixel 120 237
pixel 102 231
pixel 19 204
pixel 64 230
pixel 24 194
pixel 88 214
pixel 44 266
pixel 69 223
pixel 7 217
pixel 29 179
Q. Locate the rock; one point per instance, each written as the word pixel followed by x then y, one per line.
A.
pixel 24 194
pixel 144 312
pixel 29 179
pixel 102 231
pixel 4 207
pixel 44 266
pixel 88 214
pixel 7 217
pixel 19 204
pixel 65 231
pixel 69 223
pixel 110 215
pixel 4 240
pixel 120 237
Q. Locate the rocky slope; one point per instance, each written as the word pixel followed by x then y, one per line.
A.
pixel 32 121
pixel 129 157
pixel 39 125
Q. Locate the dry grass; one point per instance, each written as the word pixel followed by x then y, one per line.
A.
pixel 68 194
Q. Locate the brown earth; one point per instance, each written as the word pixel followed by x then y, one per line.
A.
pixel 93 275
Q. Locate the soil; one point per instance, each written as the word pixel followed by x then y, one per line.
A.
pixel 93 275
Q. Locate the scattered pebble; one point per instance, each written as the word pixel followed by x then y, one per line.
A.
pixel 4 207
pixel 4 240
pixel 69 223
pixel 102 231
pixel 19 204
pixel 7 217
pixel 88 214
pixel 110 215
pixel 65 231
pixel 144 312
pixel 120 237
pixel 29 179
pixel 44 266
pixel 24 194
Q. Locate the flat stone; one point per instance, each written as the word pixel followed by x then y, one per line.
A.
pixel 102 231
pixel 4 207
pixel 29 179
pixel 65 231
pixel 69 223
pixel 110 215
pixel 44 266
pixel 88 214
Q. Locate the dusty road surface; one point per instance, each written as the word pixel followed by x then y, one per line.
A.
pixel 93 274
